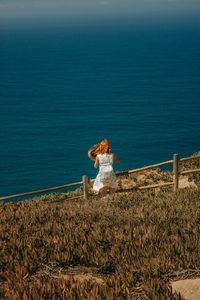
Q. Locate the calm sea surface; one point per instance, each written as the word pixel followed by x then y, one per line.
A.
pixel 63 90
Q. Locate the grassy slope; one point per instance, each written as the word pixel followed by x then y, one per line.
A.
pixel 134 242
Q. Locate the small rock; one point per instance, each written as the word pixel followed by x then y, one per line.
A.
pixel 188 288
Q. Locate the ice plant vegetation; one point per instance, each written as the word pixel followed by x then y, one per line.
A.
pixel 126 246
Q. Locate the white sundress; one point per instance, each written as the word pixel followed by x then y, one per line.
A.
pixel 106 175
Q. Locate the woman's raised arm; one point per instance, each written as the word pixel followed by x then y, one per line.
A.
pixel 116 159
pixel 96 164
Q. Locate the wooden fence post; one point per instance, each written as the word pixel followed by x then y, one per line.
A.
pixel 175 171
pixel 85 187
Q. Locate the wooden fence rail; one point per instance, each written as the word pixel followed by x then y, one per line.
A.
pixel 190 158
pixel 154 186
pixel 144 168
pixel 61 187
pixel 85 181
pixel 189 171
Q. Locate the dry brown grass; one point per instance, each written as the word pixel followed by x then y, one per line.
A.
pixel 127 246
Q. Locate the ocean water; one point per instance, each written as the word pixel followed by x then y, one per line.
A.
pixel 65 89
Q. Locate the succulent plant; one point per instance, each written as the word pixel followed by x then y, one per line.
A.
pixel 131 245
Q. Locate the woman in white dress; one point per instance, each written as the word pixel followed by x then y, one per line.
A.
pixel 106 179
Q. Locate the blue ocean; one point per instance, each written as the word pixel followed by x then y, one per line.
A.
pixel 65 88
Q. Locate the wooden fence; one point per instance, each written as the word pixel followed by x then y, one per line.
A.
pixel 84 183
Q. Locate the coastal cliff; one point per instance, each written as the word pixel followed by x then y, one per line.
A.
pixel 130 245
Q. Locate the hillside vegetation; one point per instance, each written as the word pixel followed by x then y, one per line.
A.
pixel 130 245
